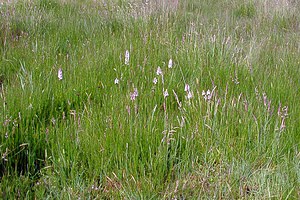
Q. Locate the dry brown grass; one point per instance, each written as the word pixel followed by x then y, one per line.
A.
pixel 272 7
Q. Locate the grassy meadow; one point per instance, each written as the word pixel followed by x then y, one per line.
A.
pixel 147 100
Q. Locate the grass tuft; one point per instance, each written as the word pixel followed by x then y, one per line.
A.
pixel 149 100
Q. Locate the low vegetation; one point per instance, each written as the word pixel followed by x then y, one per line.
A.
pixel 139 100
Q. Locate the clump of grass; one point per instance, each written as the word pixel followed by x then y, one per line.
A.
pixel 104 100
pixel 247 10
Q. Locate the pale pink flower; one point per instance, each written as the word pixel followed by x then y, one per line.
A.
pixel 170 64
pixel 207 95
pixel 282 126
pixel 165 93
pixel 127 57
pixel 285 112
pixel 186 88
pixel 60 74
pixel 155 81
pixel 134 94
pixel 158 71
pixel 189 95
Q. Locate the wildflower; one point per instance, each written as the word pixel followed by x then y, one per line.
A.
pixel 53 121
pixel 6 121
pixel 207 95
pixel 60 74
pixel 189 95
pixel 170 65
pixel 282 125
pixel 117 81
pixel 158 71
pixel 30 106
pixel 165 93
pixel 134 94
pixel 186 88
pixel 5 155
pixel 284 112
pixel 127 56
pixel 94 188
pixel 155 81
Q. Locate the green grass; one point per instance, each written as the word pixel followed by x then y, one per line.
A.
pixel 84 137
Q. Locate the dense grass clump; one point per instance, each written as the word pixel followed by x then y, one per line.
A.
pixel 158 100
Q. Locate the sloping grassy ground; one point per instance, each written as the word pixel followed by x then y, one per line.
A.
pixel 137 127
